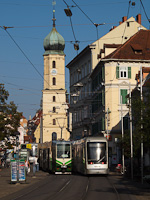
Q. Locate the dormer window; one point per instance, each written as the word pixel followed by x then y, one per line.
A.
pixel 137 48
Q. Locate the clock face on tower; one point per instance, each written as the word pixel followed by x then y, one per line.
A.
pixel 53 71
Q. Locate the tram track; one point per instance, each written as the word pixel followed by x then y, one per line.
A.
pixel 42 185
pixel 114 188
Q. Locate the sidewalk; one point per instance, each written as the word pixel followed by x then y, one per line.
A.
pixel 8 188
pixel 141 191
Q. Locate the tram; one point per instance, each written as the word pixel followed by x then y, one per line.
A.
pixel 55 157
pixel 90 155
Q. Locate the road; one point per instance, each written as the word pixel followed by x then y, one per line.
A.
pixel 76 187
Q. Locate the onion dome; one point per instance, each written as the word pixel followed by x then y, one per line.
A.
pixel 54 43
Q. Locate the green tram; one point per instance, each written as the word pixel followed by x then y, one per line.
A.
pixel 55 157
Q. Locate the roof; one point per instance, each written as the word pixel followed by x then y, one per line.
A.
pixel 137 47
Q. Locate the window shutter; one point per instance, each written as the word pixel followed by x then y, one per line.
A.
pixel 124 98
pixel 103 74
pixel 129 72
pixel 103 97
pixel 117 72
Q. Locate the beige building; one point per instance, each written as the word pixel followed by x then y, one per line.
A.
pixel 54 118
pixel 84 63
pixel 112 80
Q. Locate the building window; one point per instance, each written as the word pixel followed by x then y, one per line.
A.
pixel 54 121
pixel 54 99
pixel 123 72
pixel 54 136
pixel 54 109
pixel 123 94
pixel 54 64
pixel 125 123
pixel 54 81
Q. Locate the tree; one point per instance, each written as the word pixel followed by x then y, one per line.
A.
pixel 138 108
pixel 9 116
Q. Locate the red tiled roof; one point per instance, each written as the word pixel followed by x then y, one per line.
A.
pixel 137 47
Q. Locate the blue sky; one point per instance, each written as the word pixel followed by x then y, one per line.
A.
pixel 32 21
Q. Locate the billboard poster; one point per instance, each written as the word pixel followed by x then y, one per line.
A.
pixel 22 176
pixel 13 170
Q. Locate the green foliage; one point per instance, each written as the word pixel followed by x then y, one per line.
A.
pixel 141 124
pixel 9 117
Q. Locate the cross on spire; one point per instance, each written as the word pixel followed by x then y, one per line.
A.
pixel 54 3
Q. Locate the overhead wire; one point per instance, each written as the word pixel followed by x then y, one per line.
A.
pixel 145 11
pixel 76 41
pixel 125 23
pixel 5 28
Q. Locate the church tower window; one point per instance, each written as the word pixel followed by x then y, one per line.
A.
pixel 54 81
pixel 54 99
pixel 54 64
pixel 54 109
pixel 54 121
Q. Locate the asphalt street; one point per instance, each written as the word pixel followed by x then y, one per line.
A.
pixel 45 186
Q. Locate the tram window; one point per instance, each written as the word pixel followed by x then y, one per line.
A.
pixel 63 150
pixel 96 152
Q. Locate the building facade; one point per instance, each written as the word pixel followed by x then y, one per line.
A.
pixel 112 80
pixel 83 64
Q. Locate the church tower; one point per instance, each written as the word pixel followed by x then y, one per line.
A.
pixel 54 120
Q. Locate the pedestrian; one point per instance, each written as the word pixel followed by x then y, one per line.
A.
pixel 36 163
pixel 27 166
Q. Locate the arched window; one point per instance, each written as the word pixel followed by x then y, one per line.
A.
pixel 54 64
pixel 54 121
pixel 54 99
pixel 54 109
pixel 54 136
pixel 54 81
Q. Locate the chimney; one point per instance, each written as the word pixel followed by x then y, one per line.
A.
pixel 120 23
pixel 138 18
pixel 124 18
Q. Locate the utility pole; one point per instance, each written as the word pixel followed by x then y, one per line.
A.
pixel 107 123
pixel 122 135
pixel 141 78
pixel 131 135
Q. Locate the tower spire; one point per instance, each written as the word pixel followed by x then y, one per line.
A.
pixel 54 3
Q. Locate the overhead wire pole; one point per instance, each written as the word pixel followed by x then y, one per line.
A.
pixel 141 94
pixel 122 135
pixel 131 135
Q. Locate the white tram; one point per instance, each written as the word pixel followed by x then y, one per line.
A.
pixel 56 157
pixel 90 155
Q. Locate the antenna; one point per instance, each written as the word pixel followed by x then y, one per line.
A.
pixel 53 4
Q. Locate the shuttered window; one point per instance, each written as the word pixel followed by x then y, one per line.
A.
pixel 129 72
pixel 117 72
pixel 123 93
pixel 123 72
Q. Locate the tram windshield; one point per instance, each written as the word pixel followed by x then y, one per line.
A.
pixel 63 150
pixel 96 152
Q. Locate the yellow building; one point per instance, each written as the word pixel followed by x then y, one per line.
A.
pixel 112 80
pixel 54 118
